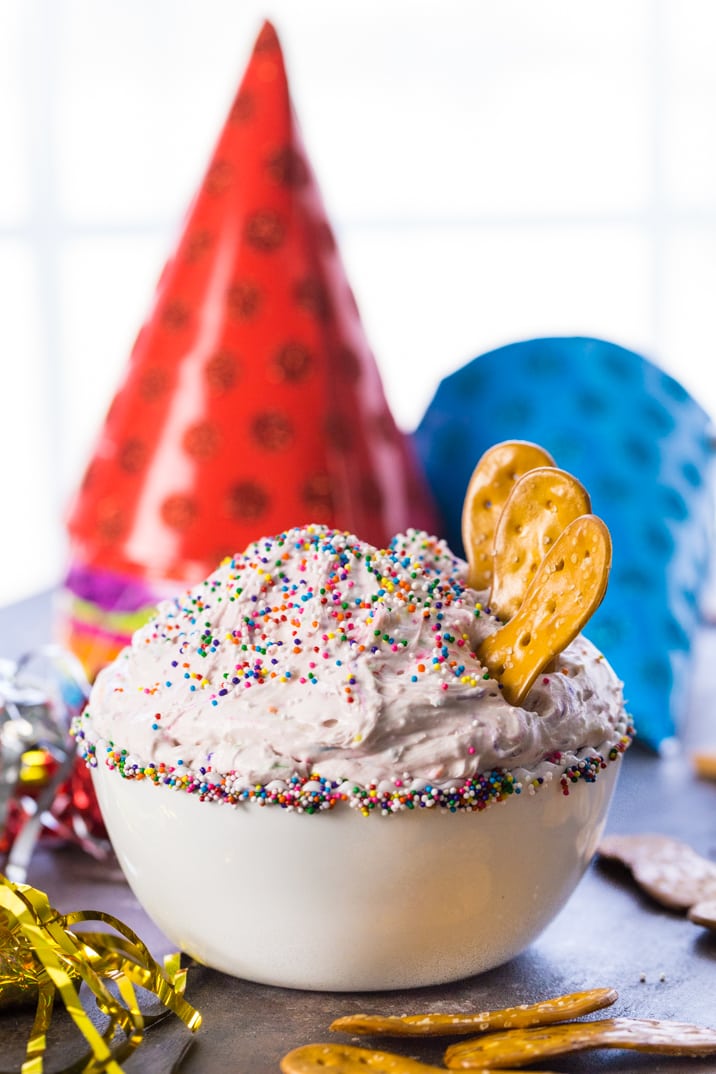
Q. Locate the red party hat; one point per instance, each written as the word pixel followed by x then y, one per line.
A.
pixel 252 401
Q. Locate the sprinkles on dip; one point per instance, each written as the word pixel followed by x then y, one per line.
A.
pixel 314 669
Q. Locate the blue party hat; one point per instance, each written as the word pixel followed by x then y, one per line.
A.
pixel 642 447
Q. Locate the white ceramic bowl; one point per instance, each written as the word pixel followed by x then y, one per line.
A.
pixel 343 902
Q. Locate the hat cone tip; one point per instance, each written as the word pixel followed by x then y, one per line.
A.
pixel 267 37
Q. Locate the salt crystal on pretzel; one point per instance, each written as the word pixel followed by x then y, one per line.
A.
pixel 567 588
pixel 545 1012
pixel 540 506
pixel 519 1047
pixel 667 869
pixel 491 483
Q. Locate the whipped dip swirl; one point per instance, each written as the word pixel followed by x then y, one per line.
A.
pixel 315 653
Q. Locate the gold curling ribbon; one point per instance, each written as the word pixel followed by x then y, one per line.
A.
pixel 40 956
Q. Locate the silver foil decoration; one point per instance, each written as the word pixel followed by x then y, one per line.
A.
pixel 39 696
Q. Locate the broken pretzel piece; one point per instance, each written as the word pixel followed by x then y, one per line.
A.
pixel 491 483
pixel 704 762
pixel 667 869
pixel 568 587
pixel 704 913
pixel 520 1047
pixel 546 1012
pixel 540 506
pixel 345 1059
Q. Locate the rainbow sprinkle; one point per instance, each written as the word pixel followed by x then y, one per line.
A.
pixel 314 794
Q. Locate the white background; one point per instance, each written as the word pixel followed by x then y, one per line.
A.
pixel 494 170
